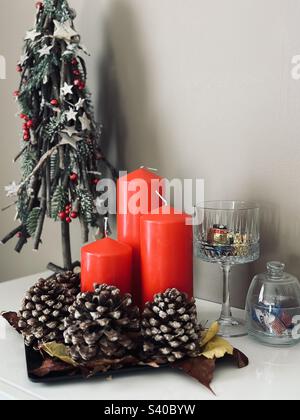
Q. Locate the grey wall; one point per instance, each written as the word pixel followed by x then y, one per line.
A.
pixel 196 88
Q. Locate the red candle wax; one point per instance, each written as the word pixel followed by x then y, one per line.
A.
pixel 136 196
pixel 106 262
pixel 166 254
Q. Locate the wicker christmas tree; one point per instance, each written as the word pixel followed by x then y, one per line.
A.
pixel 60 151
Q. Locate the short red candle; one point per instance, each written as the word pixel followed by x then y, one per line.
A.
pixel 106 262
pixel 129 222
pixel 166 254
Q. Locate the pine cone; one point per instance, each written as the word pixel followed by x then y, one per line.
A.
pixel 169 328
pixel 100 325
pixel 45 307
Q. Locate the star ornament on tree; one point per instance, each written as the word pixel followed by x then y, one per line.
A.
pixel 85 122
pixel 31 35
pixel 45 50
pixel 67 89
pixel 71 131
pixel 71 141
pixel 12 189
pixel 80 104
pixel 71 115
pixel 64 30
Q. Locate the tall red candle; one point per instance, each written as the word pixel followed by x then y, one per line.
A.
pixel 136 196
pixel 166 254
pixel 106 262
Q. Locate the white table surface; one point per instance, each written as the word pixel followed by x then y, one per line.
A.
pixel 272 374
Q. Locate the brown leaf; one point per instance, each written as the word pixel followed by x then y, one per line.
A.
pixel 104 365
pixel 13 319
pixel 199 368
pixel 240 358
pixel 51 366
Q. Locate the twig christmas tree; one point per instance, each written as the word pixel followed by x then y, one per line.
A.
pixel 60 143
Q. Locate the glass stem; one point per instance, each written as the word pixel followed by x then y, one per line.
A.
pixel 226 307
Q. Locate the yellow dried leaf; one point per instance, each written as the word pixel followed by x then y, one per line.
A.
pixel 211 333
pixel 217 348
pixel 59 351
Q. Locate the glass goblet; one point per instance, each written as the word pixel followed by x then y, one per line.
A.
pixel 227 233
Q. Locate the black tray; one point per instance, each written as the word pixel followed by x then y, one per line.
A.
pixel 34 360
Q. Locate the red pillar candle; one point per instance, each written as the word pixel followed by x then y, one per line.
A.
pixel 166 254
pixel 136 197
pixel 106 262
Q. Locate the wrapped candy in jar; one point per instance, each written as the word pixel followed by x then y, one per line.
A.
pixel 273 307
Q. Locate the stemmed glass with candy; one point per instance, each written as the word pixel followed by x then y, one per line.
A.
pixel 227 233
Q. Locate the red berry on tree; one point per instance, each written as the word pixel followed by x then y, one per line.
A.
pixel 22 116
pixel 39 5
pixel 25 126
pixel 19 68
pixel 29 124
pixel 74 177
pixel 74 61
pixel 95 181
pixel 54 102
pixel 19 235
pixel 82 86
pixel 16 93
pixel 62 215
pixel 26 136
pixel 77 82
pixel 68 220
pixel 76 72
pixel 74 215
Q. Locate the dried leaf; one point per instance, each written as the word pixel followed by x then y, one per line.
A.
pixel 59 351
pixel 211 333
pixel 240 358
pixel 199 368
pixel 13 319
pixel 51 366
pixel 104 365
pixel 217 348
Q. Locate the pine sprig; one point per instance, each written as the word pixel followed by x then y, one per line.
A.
pixel 59 201
pixel 32 221
pixel 29 162
pixel 59 11
pixel 86 205
pixel 54 126
pixel 41 70
pixel 83 150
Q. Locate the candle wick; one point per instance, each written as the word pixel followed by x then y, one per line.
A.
pixel 162 198
pixel 106 227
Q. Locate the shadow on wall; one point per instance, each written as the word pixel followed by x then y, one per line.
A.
pixel 111 114
pixel 123 105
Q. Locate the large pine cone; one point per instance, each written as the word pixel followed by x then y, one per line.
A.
pixel 169 328
pixel 101 324
pixel 45 308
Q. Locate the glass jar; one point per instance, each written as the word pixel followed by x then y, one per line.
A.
pixel 273 307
